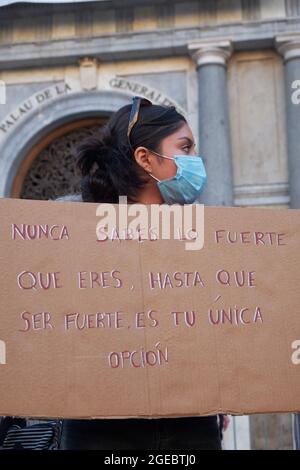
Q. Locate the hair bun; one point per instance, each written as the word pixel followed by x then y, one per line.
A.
pixel 106 135
pixel 93 151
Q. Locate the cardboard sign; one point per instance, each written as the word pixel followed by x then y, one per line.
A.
pixel 146 328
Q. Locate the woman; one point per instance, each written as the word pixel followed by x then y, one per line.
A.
pixel 144 152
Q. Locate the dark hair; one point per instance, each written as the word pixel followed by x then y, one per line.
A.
pixel 107 162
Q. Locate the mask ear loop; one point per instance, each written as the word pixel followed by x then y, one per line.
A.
pixel 163 156
pixel 154 177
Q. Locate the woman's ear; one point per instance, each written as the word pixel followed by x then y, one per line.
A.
pixel 143 158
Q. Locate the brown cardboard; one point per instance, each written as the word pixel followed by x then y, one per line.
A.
pixel 229 368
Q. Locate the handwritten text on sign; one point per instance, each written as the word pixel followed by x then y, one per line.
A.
pixel 137 305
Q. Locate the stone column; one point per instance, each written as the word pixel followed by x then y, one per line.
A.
pixel 214 129
pixel 289 48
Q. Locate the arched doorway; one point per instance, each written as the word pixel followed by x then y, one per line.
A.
pixel 49 170
pixel 31 134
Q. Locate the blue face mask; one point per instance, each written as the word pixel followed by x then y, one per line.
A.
pixel 187 184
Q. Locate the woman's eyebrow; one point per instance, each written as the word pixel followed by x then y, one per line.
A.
pixel 187 138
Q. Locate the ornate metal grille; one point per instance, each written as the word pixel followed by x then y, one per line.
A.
pixel 53 172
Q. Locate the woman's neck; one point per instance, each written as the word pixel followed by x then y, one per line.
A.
pixel 150 195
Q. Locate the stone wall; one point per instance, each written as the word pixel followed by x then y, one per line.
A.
pixel 32 23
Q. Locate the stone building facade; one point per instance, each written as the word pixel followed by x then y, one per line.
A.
pixel 231 66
